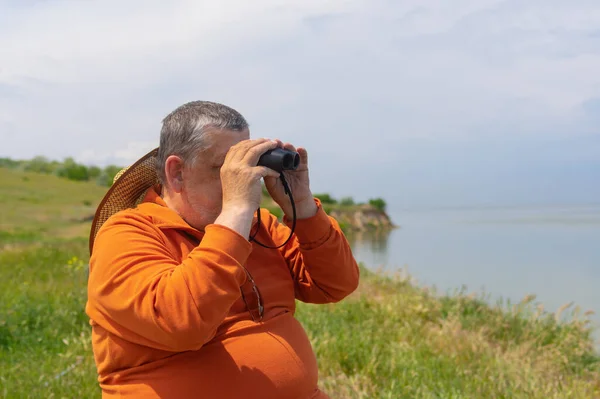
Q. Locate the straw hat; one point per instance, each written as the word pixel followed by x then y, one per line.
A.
pixel 128 190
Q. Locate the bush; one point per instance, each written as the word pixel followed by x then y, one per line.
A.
pixel 40 164
pixel 94 172
pixel 347 201
pixel 68 169
pixel 378 203
pixel 326 198
pixel 73 171
pixel 107 176
pixel 9 163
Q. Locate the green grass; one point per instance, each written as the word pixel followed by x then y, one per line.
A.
pixel 43 328
pixel 36 206
pixel 396 340
pixel 391 339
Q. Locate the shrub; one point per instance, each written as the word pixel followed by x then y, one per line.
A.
pixel 326 198
pixel 94 172
pixel 39 164
pixel 378 203
pixel 107 176
pixel 347 201
pixel 73 171
pixel 9 163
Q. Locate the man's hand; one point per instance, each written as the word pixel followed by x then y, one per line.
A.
pixel 299 185
pixel 240 181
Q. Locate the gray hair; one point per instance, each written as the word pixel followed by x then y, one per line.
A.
pixel 183 131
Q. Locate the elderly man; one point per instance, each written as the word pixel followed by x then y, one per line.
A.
pixel 182 301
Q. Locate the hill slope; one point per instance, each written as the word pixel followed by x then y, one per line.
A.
pixel 37 205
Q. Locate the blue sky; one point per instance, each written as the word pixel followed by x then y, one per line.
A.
pixel 427 103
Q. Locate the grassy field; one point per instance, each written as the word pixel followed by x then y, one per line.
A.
pixel 391 339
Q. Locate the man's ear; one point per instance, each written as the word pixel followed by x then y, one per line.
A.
pixel 174 173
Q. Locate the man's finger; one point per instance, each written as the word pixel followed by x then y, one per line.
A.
pixel 289 146
pixel 303 156
pixel 239 151
pixel 265 172
pixel 270 180
pixel 253 154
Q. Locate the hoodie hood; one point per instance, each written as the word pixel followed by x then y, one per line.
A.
pixel 163 217
pixel 154 207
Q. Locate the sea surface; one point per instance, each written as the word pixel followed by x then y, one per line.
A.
pixel 505 253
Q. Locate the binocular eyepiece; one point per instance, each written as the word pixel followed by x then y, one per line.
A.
pixel 280 159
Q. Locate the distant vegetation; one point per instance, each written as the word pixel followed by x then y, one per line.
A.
pixel 327 199
pixel 68 169
pixel 378 203
pixel 72 170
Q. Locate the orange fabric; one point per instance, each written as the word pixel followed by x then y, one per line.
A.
pixel 168 320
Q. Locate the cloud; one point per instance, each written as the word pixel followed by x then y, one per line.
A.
pixel 118 156
pixel 87 79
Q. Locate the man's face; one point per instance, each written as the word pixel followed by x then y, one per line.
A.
pixel 202 191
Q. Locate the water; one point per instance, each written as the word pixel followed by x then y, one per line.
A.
pixel 552 252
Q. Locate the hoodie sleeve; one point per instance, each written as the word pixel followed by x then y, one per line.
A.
pixel 137 291
pixel 318 256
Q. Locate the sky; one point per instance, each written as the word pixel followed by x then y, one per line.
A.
pixel 427 103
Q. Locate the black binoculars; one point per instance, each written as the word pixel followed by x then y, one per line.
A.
pixel 280 159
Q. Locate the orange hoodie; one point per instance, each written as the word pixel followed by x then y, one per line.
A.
pixel 167 316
